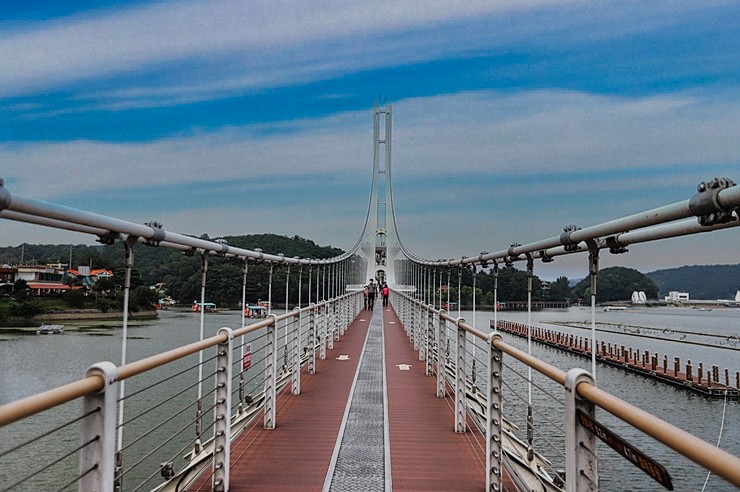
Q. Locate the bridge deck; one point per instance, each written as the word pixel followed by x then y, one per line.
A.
pixel 424 451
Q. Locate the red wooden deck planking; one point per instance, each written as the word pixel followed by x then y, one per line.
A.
pixel 426 452
pixel 296 454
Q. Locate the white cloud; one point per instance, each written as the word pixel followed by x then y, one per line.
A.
pixel 142 38
pixel 485 132
pixel 522 137
pixel 549 131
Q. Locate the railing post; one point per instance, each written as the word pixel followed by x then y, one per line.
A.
pixel 337 319
pixel 222 410
pixel 322 332
pixel 329 319
pixel 342 315
pixel 415 325
pixel 441 329
pixel 581 470
pixel 460 388
pixel 312 339
pixel 295 375
pixel 494 450
pixel 97 459
pixel 271 373
pixel 429 341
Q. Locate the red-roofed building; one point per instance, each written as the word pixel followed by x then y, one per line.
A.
pixel 88 276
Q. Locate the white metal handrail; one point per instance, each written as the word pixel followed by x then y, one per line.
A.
pixel 98 388
pixel 706 455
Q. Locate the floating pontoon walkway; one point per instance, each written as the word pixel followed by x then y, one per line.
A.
pixel 369 419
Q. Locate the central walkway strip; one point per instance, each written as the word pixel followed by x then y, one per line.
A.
pixel 296 454
pixel 360 453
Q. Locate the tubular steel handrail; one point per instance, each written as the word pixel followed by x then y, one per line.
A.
pixel 715 205
pixel 710 457
pixel 97 382
pixel 31 210
pixel 20 409
pixel 30 405
pixel 713 459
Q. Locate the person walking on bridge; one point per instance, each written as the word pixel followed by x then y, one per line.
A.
pixel 372 289
pixel 386 292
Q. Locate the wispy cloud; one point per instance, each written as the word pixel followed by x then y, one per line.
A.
pixel 251 34
pixel 551 111
pixel 474 133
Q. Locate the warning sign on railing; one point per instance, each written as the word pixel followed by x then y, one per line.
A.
pixel 246 356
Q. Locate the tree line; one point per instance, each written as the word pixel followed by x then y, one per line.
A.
pixel 181 273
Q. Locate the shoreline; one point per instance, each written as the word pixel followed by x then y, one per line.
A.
pixel 79 314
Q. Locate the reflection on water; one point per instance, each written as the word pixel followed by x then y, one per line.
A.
pixel 30 364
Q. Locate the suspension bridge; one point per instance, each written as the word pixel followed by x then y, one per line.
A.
pixel 334 396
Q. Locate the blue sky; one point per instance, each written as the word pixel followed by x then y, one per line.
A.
pixel 511 118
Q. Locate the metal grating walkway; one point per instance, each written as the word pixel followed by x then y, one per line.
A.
pixel 360 462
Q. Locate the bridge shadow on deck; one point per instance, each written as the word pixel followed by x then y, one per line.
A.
pixel 426 453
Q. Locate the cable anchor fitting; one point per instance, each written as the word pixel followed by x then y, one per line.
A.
pixel 705 204
pixel 568 244
pixel 159 233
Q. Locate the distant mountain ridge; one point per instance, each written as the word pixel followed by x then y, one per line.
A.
pixel 700 281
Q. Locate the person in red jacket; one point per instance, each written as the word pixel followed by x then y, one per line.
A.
pixel 385 292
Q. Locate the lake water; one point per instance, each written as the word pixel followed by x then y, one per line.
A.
pixel 31 363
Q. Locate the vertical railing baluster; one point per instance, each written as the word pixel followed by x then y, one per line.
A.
pixel 271 372
pixel 460 388
pixel 417 322
pixel 312 339
pixel 322 331
pixel 328 318
pixel 222 411
pixel 581 467
pixel 295 376
pixel 429 341
pixel 494 414
pixel 441 330
pixel 98 459
pixel 337 321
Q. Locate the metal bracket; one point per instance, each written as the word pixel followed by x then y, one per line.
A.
pixel 224 247
pixel 568 244
pixel 545 257
pixel 159 233
pixel 705 203
pixel 612 242
pixel 511 257
pixel 108 238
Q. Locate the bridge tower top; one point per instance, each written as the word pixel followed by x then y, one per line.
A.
pixel 380 242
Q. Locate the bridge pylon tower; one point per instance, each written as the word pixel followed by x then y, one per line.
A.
pixel 380 242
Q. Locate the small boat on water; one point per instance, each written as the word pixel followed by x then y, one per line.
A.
pixel 614 308
pixel 50 330
pixel 209 307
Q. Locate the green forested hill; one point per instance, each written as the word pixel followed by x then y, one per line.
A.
pixel 617 284
pixel 180 273
pixel 701 282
